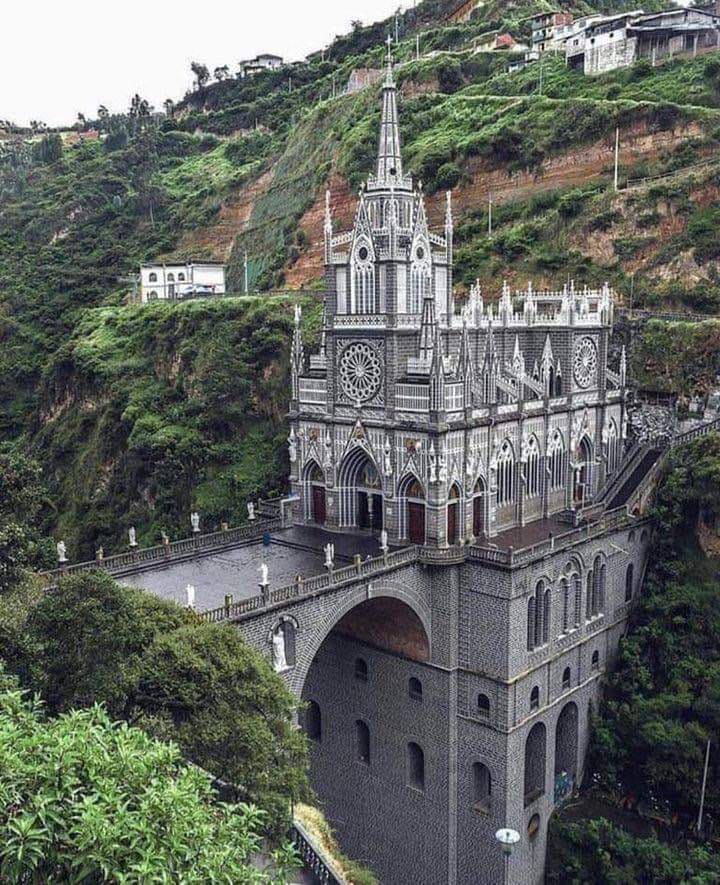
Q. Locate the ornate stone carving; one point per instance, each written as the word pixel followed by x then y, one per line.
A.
pixel 585 362
pixel 361 372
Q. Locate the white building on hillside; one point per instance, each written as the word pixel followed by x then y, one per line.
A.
pixel 177 281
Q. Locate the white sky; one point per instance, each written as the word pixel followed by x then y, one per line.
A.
pixel 58 58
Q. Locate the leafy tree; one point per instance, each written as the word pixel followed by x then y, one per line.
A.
pixel 203 686
pixel 88 801
pixel 153 663
pixel 23 500
pixel 221 73
pixel 202 74
pixel 88 636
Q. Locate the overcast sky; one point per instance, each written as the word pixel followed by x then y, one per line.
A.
pixel 58 58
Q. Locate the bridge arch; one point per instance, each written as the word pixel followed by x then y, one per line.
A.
pixel 374 602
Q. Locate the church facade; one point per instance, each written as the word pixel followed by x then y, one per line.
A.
pixel 484 434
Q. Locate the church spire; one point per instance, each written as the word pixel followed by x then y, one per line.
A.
pixel 389 162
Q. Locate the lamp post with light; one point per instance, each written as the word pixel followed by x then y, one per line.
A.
pixel 508 839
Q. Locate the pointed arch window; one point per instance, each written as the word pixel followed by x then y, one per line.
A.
pixel 556 458
pixel 613 448
pixel 538 616
pixel 419 278
pixel 364 295
pixel 506 475
pixel 532 469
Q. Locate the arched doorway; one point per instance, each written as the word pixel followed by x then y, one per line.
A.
pixel 314 489
pixel 566 751
pixel 411 496
pixel 361 495
pixel 535 763
pixel 453 515
pixel 478 508
pixel 171 285
pixel 581 489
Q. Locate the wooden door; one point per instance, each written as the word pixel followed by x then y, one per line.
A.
pixel 416 522
pixel 478 521
pixel 318 502
pixel 452 523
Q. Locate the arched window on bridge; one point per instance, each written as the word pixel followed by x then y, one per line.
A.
pixel 483 706
pixel 313 721
pixel 481 787
pixel 535 698
pixel 361 669
pixel 362 741
pixel 415 766
pixel 415 689
pixel 566 679
pixel 629 581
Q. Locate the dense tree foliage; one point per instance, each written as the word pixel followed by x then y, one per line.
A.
pixel 23 502
pixel 155 664
pixel 83 800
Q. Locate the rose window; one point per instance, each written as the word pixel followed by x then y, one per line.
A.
pixel 585 362
pixel 360 372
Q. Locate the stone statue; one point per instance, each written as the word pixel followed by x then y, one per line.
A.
pixel 99 554
pixel 442 469
pixel 132 535
pixel 263 575
pixel 61 552
pixel 278 649
pixel 195 522
pixel 329 556
pixel 190 596
pixel 432 460
pixel 165 539
pixel 328 450
pixel 387 460
pixel 251 511
pixel 292 446
pixel 384 541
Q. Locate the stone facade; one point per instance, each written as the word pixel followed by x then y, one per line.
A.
pixel 449 695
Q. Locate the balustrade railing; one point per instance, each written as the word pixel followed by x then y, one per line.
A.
pixel 314 859
pixel 132 559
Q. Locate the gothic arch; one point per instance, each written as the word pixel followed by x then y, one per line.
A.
pixel 411 504
pixel 454 513
pixel 479 507
pixel 308 648
pixel 351 475
pixel 312 478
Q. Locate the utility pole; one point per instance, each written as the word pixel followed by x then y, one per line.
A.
pixel 632 291
pixel 417 47
pixel 704 784
pixel 246 274
pixel 490 205
pixel 397 30
pixel 541 73
pixel 617 155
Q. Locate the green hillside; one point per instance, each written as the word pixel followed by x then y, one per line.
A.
pixel 137 414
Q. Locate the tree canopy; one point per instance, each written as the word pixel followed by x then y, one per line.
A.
pixel 83 800
pixel 157 665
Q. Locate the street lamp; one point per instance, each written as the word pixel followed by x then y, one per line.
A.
pixel 508 839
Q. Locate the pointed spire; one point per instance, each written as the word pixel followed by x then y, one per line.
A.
pixel 465 368
pixel 427 329
pixel 623 366
pixel 489 369
pixel 437 373
pixel 328 228
pixel 449 227
pixel 323 334
pixel 547 364
pixel 297 355
pixel 389 162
